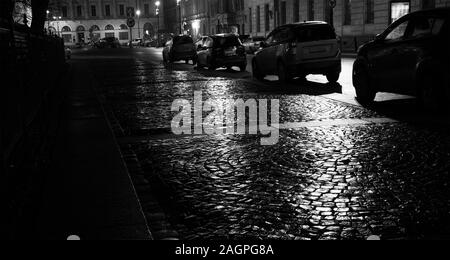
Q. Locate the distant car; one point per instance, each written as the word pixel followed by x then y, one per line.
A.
pixel 136 43
pixel 180 48
pixel 411 57
pixel 109 42
pixel 252 45
pixel 297 50
pixel 222 50
pixel 68 53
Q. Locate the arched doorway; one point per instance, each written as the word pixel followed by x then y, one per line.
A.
pixel 94 33
pixel 81 34
pixel 149 31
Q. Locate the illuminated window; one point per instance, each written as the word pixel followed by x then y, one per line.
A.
pixel 399 9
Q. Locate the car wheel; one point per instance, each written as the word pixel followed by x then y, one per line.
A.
pixel 256 72
pixel 432 96
pixel 211 65
pixel 243 67
pixel 361 81
pixel 333 77
pixel 283 74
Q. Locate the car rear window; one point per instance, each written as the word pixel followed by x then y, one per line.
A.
pixel 315 33
pixel 227 41
pixel 183 40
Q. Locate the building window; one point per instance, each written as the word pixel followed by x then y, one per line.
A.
pixel 147 10
pixel 79 11
pixel 399 9
pixel 428 4
pixel 283 13
pixel 123 27
pixel 93 11
pixel 109 27
pixel 370 11
pixel 66 29
pixel 110 35
pixel 347 12
pixel 124 36
pixel 121 10
pixel 267 15
pixel 64 11
pixel 258 19
pixel 296 11
pixel 327 11
pixel 250 22
pixel 311 15
pixel 107 10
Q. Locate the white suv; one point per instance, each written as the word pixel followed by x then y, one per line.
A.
pixel 297 50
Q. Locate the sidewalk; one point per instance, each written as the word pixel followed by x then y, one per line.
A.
pixel 88 192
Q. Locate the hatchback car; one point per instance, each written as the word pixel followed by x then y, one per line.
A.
pixel 109 42
pixel 180 48
pixel 297 50
pixel 222 50
pixel 411 57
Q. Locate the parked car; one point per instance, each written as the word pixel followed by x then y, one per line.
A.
pixel 297 50
pixel 411 57
pixel 222 50
pixel 136 43
pixel 180 48
pixel 252 45
pixel 109 42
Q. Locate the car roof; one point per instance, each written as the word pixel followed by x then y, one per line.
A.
pixel 224 35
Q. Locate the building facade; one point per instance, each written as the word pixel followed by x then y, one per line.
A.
pixel 205 17
pixel 83 21
pixel 356 21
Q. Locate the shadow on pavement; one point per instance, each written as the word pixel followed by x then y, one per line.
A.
pixel 408 110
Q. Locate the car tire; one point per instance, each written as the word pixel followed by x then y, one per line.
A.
pixel 243 67
pixel 283 73
pixel 211 65
pixel 362 83
pixel 432 96
pixel 256 72
pixel 333 77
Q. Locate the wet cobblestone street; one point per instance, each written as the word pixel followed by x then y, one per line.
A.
pixel 339 171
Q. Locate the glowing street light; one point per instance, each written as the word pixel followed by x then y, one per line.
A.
pixel 138 13
pixel 157 4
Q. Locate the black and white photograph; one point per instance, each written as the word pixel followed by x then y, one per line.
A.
pixel 225 127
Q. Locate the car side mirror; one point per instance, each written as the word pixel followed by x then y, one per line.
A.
pixel 379 38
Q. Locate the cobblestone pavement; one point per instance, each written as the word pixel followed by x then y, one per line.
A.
pixel 320 181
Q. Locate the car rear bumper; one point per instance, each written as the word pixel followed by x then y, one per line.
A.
pixel 231 61
pixel 322 66
pixel 176 56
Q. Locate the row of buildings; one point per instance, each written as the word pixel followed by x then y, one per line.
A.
pixel 354 20
pixel 83 21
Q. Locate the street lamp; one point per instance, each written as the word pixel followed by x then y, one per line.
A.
pixel 57 19
pixel 157 4
pixel 48 21
pixel 138 13
pixel 181 20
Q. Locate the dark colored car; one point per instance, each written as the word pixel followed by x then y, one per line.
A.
pixel 411 57
pixel 180 48
pixel 222 50
pixel 297 50
pixel 109 42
